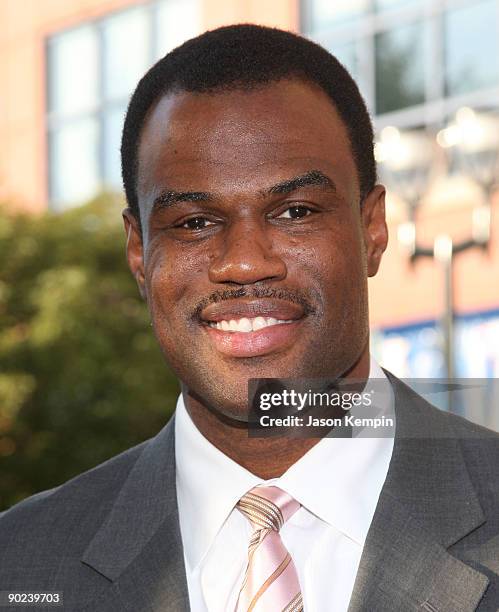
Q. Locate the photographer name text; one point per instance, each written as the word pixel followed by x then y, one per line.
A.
pixel 348 420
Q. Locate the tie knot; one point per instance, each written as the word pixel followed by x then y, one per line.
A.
pixel 267 507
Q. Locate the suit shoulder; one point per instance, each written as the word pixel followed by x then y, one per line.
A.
pixel 478 445
pixel 43 539
pixel 465 429
pixel 437 421
pixel 480 448
pixel 88 493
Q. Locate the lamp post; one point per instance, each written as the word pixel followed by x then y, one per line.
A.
pixel 408 159
pixel 405 163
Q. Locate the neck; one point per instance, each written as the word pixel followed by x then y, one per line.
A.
pixel 265 457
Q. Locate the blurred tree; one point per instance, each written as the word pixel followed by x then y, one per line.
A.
pixel 81 375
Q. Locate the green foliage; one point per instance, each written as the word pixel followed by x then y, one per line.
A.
pixel 81 375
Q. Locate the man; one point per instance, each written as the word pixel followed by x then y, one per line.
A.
pixel 254 221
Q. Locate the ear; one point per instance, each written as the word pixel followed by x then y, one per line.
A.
pixel 134 250
pixel 374 227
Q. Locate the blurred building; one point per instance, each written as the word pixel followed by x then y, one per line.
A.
pixel 68 69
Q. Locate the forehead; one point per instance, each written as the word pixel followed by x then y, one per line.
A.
pixel 237 139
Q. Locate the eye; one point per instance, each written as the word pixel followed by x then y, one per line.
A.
pixel 296 212
pixel 195 223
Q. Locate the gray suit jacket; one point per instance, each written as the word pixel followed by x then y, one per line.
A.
pixel 110 540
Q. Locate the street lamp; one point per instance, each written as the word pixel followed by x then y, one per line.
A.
pixel 407 160
pixel 471 141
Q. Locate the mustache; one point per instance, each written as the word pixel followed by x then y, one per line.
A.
pixel 304 298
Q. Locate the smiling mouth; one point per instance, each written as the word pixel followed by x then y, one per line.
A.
pixel 247 325
pixel 252 328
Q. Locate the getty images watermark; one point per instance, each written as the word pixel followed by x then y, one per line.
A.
pixel 316 408
pixel 301 408
pixel 298 401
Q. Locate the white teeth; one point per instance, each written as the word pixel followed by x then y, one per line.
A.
pixel 259 323
pixel 246 325
pixel 272 321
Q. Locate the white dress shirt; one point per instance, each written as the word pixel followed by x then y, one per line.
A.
pixel 337 482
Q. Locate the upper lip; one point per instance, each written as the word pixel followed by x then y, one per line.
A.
pixel 237 309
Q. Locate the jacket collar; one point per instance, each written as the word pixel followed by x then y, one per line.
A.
pixel 427 504
pixel 139 546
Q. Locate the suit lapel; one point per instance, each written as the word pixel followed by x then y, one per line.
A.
pixel 404 568
pixel 139 546
pixel 427 504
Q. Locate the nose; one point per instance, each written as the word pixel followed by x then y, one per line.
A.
pixel 246 256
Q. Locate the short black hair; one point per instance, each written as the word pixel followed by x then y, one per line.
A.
pixel 247 56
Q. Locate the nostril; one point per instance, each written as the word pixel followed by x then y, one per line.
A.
pixel 246 266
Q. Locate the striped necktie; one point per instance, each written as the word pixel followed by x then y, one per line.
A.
pixel 270 583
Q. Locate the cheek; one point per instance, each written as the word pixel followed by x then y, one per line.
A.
pixel 334 265
pixel 332 259
pixel 172 279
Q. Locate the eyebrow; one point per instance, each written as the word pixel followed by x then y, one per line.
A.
pixel 312 178
pixel 167 198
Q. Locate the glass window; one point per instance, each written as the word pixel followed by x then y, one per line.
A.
pixel 126 52
pixel 113 126
pixel 177 21
pixel 384 5
pixel 91 73
pixel 400 67
pixel 73 71
pixel 73 161
pixel 325 13
pixel 347 55
pixel 472 47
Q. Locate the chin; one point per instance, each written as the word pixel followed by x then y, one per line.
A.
pixel 224 399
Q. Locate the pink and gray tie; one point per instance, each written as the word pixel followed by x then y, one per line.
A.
pixel 270 583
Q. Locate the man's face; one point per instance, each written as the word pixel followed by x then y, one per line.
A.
pixel 251 214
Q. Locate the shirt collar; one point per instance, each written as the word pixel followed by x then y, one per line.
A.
pixel 339 479
pixel 209 484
